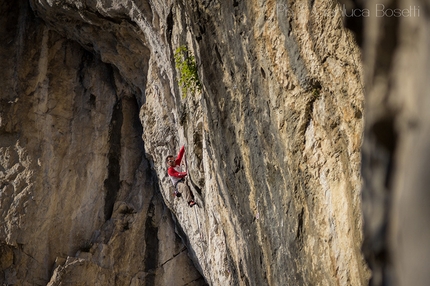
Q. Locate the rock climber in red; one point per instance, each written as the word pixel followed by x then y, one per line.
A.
pixel 177 177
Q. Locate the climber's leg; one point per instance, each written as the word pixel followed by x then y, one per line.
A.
pixel 183 188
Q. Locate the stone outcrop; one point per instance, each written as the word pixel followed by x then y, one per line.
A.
pixel 80 204
pixel 90 108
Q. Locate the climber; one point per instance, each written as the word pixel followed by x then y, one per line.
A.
pixel 178 177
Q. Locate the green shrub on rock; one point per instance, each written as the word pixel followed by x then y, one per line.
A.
pixel 187 69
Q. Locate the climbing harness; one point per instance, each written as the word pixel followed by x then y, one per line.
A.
pixel 176 193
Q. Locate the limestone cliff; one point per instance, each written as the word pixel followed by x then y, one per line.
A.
pixel 91 106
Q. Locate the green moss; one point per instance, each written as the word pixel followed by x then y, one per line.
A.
pixel 316 93
pixel 187 69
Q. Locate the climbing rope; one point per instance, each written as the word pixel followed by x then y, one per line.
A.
pixel 201 239
pixel 186 181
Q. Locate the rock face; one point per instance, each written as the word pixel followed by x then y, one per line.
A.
pixel 90 108
pixel 80 203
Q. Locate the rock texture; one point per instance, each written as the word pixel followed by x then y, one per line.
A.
pixel 80 204
pixel 90 108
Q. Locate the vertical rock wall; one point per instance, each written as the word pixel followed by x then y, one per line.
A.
pixel 279 123
pixel 79 201
pixel 273 144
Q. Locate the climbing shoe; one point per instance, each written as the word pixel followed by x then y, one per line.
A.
pixel 191 203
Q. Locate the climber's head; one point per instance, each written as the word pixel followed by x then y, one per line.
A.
pixel 170 161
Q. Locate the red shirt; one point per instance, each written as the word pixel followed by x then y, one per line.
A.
pixel 175 172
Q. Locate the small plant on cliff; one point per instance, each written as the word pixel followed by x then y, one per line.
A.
pixel 187 68
pixel 316 93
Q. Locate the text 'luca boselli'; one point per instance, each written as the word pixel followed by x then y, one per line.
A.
pixel 382 11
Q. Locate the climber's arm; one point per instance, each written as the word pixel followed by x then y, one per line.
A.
pixel 172 172
pixel 180 155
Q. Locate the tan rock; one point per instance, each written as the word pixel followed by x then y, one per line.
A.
pixel 272 144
